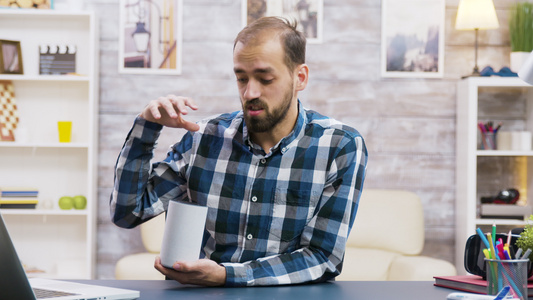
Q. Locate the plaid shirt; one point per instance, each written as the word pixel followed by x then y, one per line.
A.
pixel 276 218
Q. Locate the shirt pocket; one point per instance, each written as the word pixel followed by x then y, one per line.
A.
pixel 291 211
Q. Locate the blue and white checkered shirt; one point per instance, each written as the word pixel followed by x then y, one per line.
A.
pixel 276 218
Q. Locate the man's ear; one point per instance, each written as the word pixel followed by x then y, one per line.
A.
pixel 302 77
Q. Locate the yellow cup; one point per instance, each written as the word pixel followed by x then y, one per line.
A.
pixel 65 131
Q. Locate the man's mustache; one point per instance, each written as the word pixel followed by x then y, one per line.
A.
pixel 256 102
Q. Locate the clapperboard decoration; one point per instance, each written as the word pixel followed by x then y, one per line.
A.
pixel 57 59
pixel 8 111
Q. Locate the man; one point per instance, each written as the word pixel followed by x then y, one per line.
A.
pixel 281 183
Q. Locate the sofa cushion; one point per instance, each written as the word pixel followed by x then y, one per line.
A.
pixel 366 264
pixel 138 267
pixel 391 220
pixel 419 268
pixel 152 233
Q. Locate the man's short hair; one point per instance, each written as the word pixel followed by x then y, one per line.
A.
pixel 292 40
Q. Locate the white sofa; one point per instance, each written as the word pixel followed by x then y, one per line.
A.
pixel 387 239
pixel 385 243
pixel 141 265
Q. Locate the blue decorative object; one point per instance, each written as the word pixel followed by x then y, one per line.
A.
pixel 504 72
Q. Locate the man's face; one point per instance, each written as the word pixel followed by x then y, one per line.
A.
pixel 266 86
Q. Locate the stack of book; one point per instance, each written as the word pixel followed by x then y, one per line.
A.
pixel 470 283
pixel 18 197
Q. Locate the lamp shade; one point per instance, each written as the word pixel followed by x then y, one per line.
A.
pixel 141 37
pixel 526 71
pixel 476 14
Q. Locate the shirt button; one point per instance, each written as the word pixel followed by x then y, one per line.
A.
pixel 254 199
pixel 284 150
pixel 263 161
pixel 249 236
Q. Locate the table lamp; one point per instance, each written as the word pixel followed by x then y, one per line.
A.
pixel 526 71
pixel 475 15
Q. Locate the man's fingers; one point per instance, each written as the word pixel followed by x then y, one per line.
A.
pixel 181 103
pixel 160 267
pixel 190 126
pixel 182 266
pixel 168 111
pixel 190 103
pixel 167 106
pixel 201 272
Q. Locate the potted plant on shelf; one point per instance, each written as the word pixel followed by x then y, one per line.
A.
pixel 525 241
pixel 521 33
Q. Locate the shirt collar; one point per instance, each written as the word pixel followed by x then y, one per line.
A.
pixel 283 144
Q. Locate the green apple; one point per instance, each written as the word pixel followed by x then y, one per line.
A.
pixel 80 202
pixel 66 202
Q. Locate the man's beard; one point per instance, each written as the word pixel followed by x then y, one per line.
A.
pixel 271 118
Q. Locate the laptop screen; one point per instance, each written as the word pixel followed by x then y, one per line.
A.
pixel 13 281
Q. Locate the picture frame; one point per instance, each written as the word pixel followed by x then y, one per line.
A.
pixel 413 49
pixel 307 13
pixel 29 4
pixel 10 57
pixel 150 37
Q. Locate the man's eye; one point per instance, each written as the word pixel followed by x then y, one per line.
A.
pixel 266 81
pixel 242 80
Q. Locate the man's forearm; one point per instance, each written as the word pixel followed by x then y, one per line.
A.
pixel 131 194
pixel 300 266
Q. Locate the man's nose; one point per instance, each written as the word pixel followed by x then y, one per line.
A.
pixel 253 90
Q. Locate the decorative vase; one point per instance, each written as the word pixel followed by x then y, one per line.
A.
pixel 518 59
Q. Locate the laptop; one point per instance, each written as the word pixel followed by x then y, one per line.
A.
pixel 14 284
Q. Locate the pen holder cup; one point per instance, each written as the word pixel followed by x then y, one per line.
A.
pixel 512 273
pixel 488 141
pixel 474 259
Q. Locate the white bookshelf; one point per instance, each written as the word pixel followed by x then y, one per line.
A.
pixel 467 217
pixel 59 242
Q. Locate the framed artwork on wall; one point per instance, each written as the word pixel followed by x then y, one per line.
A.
pixel 413 48
pixel 37 4
pixel 10 57
pixel 150 37
pixel 307 13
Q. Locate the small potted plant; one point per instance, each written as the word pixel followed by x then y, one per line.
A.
pixel 525 241
pixel 521 33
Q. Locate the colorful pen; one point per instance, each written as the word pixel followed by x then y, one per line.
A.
pixel 508 244
pixel 506 254
pixel 499 246
pixel 483 238
pixel 492 249
pixel 486 253
pixel 494 233
pixel 518 253
pixel 526 255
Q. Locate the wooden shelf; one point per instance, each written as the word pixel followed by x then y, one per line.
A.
pixel 60 242
pixel 500 222
pixel 496 81
pixel 481 98
pixel 44 212
pixel 503 153
pixel 43 145
pixel 82 78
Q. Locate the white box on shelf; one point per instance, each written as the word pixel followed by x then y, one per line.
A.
pixel 505 210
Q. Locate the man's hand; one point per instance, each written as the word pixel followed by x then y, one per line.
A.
pixel 168 111
pixel 201 272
